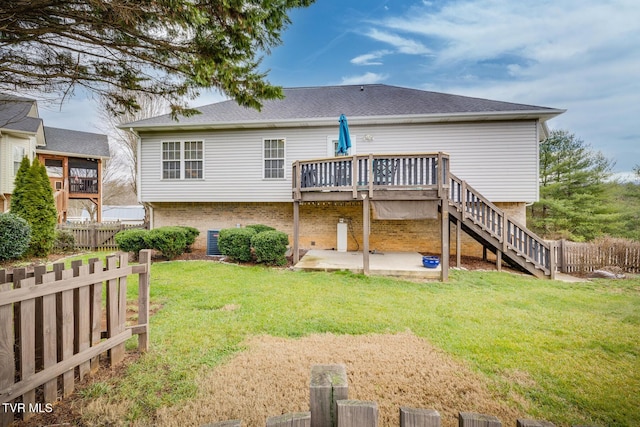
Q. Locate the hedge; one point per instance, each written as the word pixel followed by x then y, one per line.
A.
pixel 132 240
pixel 270 247
pixel 171 241
pixel 236 243
pixel 260 227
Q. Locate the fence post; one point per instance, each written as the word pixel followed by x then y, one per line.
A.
pixel 328 385
pixel 470 419
pixel 143 299
pixel 28 344
pixel 7 339
pixel 296 419
pixel 562 256
pixel 411 417
pixel 357 413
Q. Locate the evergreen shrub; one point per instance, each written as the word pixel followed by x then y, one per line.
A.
pixel 260 227
pixel 191 233
pixel 15 235
pixel 236 243
pixel 132 240
pixel 65 241
pixel 171 241
pixel 270 247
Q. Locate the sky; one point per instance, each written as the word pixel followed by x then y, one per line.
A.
pixel 578 55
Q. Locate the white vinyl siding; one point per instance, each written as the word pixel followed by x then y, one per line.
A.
pixel 12 149
pixel 274 158
pixel 499 159
pixel 182 160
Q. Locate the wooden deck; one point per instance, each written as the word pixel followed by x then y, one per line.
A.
pixel 422 176
pixel 382 177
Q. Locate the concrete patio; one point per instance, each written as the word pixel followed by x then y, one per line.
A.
pixel 394 264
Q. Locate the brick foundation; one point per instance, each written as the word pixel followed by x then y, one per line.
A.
pixel 318 224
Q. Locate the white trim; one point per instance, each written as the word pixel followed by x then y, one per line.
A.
pixel 543 115
pixel 284 159
pixel 332 140
pixel 181 160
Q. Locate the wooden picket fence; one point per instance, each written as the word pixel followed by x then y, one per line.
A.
pixel 97 236
pixel 583 258
pixel 330 407
pixel 56 325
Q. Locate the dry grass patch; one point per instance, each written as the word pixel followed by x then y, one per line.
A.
pixel 272 377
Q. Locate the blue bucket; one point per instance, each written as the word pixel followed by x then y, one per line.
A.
pixel 430 261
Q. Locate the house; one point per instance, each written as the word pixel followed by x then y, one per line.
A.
pixel 74 160
pixel 231 166
pixel 124 214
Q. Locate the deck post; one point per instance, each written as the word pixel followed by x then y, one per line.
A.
pixel 444 241
pixel 366 226
pixel 459 243
pixel 498 260
pixel 296 231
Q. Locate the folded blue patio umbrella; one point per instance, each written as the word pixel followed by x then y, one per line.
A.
pixel 344 140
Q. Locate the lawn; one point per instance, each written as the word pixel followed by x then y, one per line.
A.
pixel 576 344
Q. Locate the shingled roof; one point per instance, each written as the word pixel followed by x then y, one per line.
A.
pixel 361 103
pixel 73 142
pixel 14 112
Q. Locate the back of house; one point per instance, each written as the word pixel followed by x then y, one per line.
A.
pixel 231 166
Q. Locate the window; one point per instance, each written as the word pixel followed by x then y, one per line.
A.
pixel 332 146
pixel 274 158
pixel 18 154
pixel 182 160
pixel 54 168
pixel 193 159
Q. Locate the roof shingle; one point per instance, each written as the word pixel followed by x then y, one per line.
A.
pixel 329 102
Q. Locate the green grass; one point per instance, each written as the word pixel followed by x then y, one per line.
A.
pixel 578 342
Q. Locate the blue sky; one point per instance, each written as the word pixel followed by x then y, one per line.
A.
pixel 583 56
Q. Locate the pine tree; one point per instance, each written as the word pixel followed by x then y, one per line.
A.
pixel 33 201
pixel 573 199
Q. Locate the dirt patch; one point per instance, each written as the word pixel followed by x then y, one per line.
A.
pixel 272 378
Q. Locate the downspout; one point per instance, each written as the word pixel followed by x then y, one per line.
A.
pixel 147 206
pixel 4 203
pixel 138 149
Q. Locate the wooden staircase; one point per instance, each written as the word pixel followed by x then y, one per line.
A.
pixel 493 228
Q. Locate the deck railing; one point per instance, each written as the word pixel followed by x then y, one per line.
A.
pixel 497 223
pixel 372 172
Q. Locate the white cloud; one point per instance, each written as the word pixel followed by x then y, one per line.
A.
pixel 402 45
pixel 366 78
pixel 370 58
pixel 582 55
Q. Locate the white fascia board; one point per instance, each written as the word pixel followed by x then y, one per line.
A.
pixel 353 120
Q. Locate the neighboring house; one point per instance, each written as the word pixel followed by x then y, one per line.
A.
pixel 232 165
pixel 74 160
pixel 123 214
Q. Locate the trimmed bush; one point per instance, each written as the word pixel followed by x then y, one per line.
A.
pixel 170 241
pixel 132 240
pixel 236 243
pixel 191 234
pixel 270 247
pixel 32 200
pixel 15 236
pixel 260 227
pixel 65 241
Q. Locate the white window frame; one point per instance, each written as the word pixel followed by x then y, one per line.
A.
pixel 332 145
pixel 182 160
pixel 265 159
pixel 16 153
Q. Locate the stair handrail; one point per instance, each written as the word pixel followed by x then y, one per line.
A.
pixel 509 232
